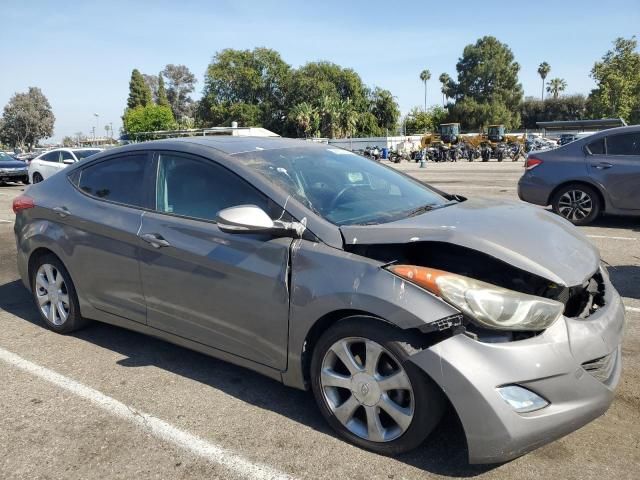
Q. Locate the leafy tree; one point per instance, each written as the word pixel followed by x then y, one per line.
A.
pixel 161 97
pixel 418 121
pixel 180 84
pixel 618 78
pixel 447 87
pixel 257 77
pixel 306 119
pixel 487 90
pixel 139 92
pixel 556 86
pixel 152 83
pixel 68 141
pixel 385 108
pixel 567 107
pixel 150 118
pixel 543 70
pixel 425 76
pixel 26 119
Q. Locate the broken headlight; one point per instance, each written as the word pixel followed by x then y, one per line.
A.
pixel 488 305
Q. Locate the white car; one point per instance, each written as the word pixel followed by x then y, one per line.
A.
pixel 48 163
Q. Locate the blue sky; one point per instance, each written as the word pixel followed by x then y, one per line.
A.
pixel 81 53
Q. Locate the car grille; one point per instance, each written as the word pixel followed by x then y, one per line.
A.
pixel 602 368
pixel 585 299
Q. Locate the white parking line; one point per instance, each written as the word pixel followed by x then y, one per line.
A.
pixel 5 221
pixel 159 428
pixel 632 309
pixel 612 238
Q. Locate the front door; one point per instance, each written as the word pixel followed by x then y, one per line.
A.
pixel 227 291
pixel 616 165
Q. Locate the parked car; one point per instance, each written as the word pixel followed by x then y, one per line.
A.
pixel 12 170
pixel 326 270
pixel 596 174
pixel 48 163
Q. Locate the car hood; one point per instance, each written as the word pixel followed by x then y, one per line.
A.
pixel 12 164
pixel 524 236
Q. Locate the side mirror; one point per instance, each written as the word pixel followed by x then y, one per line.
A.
pixel 68 161
pixel 244 219
pixel 252 219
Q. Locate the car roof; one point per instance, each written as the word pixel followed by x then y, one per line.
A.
pixel 230 144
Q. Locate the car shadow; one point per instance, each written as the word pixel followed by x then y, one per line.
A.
pixel 626 223
pixel 626 279
pixel 445 454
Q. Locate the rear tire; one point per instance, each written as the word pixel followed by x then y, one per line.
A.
pixel 37 178
pixel 55 295
pixel 357 405
pixel 580 204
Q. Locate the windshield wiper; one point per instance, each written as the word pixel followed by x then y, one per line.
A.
pixel 419 210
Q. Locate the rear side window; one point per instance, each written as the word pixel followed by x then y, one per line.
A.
pixel 118 179
pixel 597 147
pixel 67 156
pixel 51 157
pixel 200 189
pixel 626 144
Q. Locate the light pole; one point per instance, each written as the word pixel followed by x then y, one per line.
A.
pixel 111 130
pixel 96 130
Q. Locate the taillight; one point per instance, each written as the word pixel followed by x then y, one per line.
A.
pixel 532 162
pixel 22 202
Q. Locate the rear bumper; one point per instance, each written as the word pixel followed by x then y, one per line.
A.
pixel 532 190
pixel 469 371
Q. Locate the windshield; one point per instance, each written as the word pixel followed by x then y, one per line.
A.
pixel 4 157
pixel 495 131
pixel 343 188
pixel 448 129
pixel 80 154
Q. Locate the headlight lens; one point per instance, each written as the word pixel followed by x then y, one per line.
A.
pixel 489 305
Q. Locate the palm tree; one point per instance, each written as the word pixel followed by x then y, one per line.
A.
pixel 425 76
pixel 543 71
pixel 347 117
pixel 555 86
pixel 329 114
pixel 305 117
pixel 445 80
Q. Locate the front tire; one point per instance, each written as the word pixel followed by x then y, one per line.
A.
pixel 369 391
pixel 55 295
pixel 37 178
pixel 580 204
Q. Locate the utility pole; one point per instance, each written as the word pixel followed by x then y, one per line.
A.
pixel 111 130
pixel 96 128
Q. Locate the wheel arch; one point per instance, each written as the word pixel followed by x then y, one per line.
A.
pixel 36 255
pixel 325 322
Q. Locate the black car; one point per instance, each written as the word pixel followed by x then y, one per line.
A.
pixel 12 170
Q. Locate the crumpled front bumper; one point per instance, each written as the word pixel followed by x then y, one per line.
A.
pixel 550 364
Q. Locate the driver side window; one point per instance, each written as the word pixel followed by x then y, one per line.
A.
pixel 196 188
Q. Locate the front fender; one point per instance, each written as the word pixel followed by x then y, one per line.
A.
pixel 325 280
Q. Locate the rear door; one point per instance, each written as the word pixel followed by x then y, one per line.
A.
pixel 103 229
pixel 49 163
pixel 614 162
pixel 226 291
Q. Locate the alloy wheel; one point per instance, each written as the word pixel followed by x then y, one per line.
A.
pixel 52 294
pixel 575 205
pixel 367 389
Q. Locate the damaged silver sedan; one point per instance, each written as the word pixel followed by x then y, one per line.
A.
pixel 395 303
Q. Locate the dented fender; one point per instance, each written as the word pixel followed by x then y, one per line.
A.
pixel 326 280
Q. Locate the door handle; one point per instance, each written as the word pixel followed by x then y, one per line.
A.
pixel 62 211
pixel 602 165
pixel 155 240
